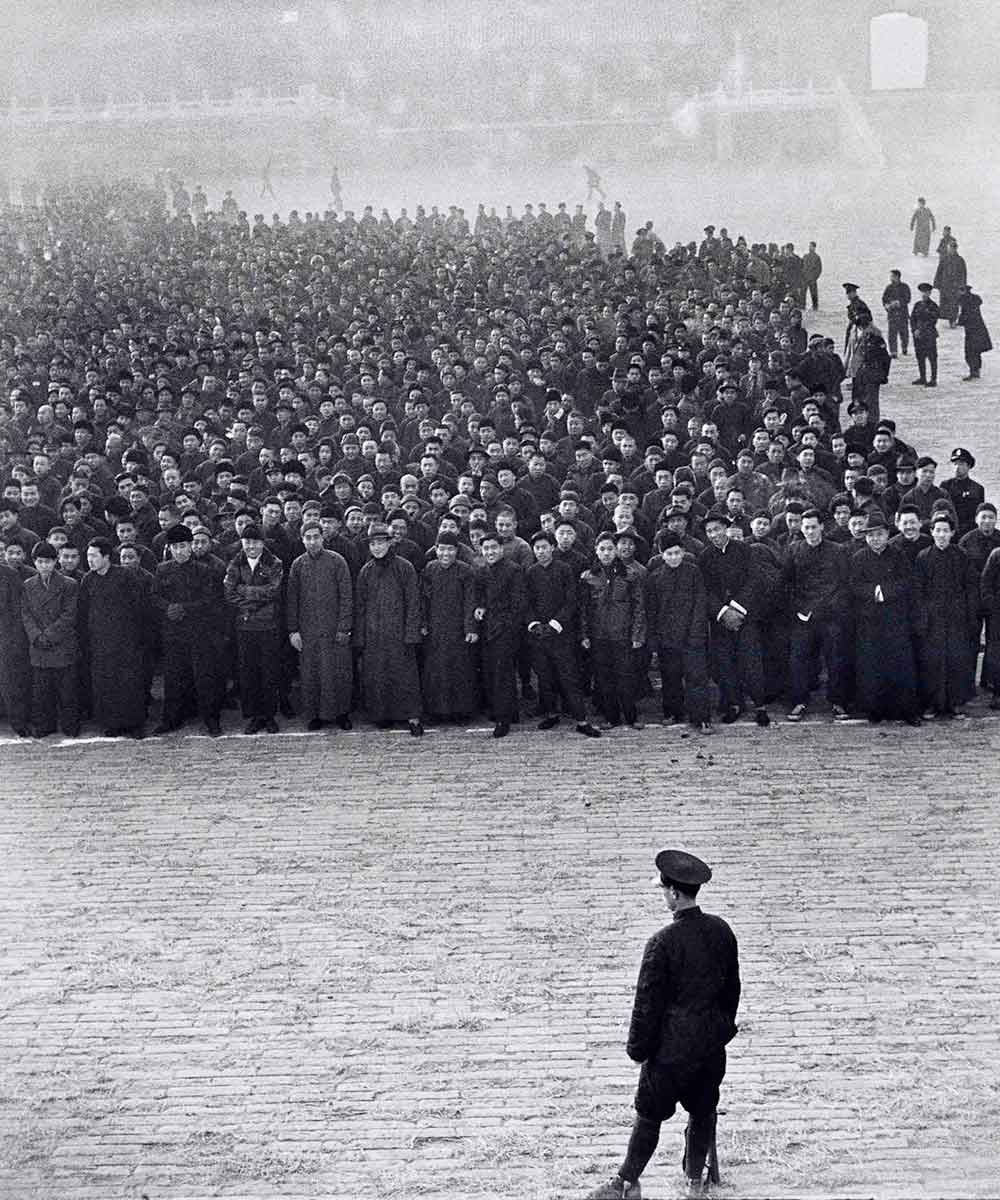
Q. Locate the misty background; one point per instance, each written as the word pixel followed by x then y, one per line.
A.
pixel 781 120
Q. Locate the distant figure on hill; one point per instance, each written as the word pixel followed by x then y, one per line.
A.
pixel 594 186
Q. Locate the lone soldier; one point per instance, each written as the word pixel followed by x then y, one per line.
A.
pixel 682 1019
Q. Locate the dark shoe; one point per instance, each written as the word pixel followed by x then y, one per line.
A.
pixel 931 383
pixel 253 725
pixel 314 724
pixel 416 729
pixel 24 731
pixel 548 723
pixel 588 730
pixel 345 722
pixel 731 714
pixel 916 722
pixel 919 382
pixel 502 728
pixel 137 733
pixel 270 725
pixel 212 727
pixel 164 728
pixel 762 717
pixel 616 1189
pixel 38 735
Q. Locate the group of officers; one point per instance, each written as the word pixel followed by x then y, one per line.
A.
pixel 542 478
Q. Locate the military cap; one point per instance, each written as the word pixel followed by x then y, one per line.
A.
pixel 446 538
pixel 876 520
pixel 849 287
pixel 177 534
pixel 925 287
pixel 961 455
pixel 677 866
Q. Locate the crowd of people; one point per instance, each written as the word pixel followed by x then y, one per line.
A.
pixel 423 468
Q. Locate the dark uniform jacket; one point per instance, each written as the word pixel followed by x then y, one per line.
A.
pixel 687 993
pixel 502 595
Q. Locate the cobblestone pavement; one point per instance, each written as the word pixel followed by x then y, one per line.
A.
pixel 293 966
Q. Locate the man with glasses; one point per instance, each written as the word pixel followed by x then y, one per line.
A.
pixel 683 1016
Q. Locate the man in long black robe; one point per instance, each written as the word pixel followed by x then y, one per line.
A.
pixel 448 599
pixel 387 631
pixel 946 594
pixel 885 667
pixel 111 632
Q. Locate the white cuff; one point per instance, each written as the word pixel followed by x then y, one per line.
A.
pixel 556 626
pixel 739 608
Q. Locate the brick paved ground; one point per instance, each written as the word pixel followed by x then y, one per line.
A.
pixel 344 965
pixel 292 967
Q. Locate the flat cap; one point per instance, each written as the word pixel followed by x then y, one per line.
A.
pixel 177 534
pixel 678 866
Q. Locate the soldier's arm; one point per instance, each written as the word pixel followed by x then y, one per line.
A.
pixel 651 992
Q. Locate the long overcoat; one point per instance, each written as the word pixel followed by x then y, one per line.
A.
pixel 320 605
pixel 387 631
pixel 112 622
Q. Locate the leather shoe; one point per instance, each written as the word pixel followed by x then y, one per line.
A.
pixel 314 724
pixel 212 727
pixel 345 722
pixel 416 729
pixel 502 728
pixel 548 723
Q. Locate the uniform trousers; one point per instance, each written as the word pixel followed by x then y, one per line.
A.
pixel 927 356
pixel 695 1086
pixel 810 641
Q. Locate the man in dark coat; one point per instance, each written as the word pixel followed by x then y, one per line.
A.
pixel 677 629
pixel 924 317
pixel 896 302
pixel 977 336
pixel 500 609
pixel 815 578
pixel 946 603
pixel 965 494
pixel 252 586
pixel 885 669
pixel 812 269
pixel 49 615
pixel 111 616
pixel 612 628
pixel 15 665
pixel 387 631
pixel 552 603
pixel 448 625
pixel 185 595
pixel 950 280
pixel 683 1017
pixel 989 587
pixel 732 593
pixel 319 611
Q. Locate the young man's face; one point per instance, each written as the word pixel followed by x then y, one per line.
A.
pixel 606 553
